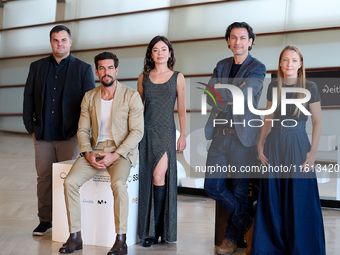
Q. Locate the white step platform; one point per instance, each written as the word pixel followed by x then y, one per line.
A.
pixel 96 198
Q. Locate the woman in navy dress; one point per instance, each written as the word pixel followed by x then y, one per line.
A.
pixel 288 218
pixel 159 87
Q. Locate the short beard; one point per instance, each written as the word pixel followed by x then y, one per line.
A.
pixel 107 84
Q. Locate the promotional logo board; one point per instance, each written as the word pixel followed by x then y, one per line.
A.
pixel 98 227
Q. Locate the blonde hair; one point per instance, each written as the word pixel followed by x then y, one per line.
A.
pixel 301 76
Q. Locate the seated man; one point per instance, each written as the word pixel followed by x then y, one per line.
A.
pixel 234 144
pixel 110 127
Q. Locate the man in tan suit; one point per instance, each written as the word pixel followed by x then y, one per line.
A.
pixel 110 127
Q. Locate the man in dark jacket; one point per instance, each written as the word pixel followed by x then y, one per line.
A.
pixel 54 89
pixel 233 139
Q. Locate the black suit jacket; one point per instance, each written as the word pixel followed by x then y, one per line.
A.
pixel 79 79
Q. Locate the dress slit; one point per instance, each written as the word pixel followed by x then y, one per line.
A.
pixel 159 138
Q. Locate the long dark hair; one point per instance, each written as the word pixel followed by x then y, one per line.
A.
pixel 149 64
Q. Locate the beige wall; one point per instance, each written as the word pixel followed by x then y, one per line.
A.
pixel 320 49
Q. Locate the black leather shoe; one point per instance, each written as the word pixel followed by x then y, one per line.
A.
pixel 149 241
pixel 42 228
pixel 119 247
pixel 73 243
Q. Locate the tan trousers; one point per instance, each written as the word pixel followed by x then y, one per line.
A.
pixel 81 172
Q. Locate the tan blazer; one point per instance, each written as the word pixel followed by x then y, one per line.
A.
pixel 127 124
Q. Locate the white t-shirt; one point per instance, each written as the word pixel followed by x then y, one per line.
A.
pixel 105 132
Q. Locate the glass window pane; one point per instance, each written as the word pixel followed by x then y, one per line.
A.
pixel 318 14
pixel 23 13
pixel 212 20
pixel 121 30
pixel 89 8
pixel 11 100
pixel 14 71
pixel 26 41
pixel 12 124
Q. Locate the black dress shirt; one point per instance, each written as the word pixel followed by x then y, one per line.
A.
pixel 228 115
pixel 52 112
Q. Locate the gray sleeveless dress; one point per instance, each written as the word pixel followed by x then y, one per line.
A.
pixel 159 138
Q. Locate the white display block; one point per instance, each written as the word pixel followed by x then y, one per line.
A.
pixel 193 182
pixel 322 175
pixel 180 173
pixel 98 227
pixel 326 143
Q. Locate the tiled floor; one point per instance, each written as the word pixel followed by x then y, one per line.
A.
pixel 18 213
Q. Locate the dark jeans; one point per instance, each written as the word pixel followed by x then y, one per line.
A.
pixel 230 188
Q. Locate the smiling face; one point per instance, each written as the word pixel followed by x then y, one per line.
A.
pixel 61 44
pixel 160 53
pixel 290 63
pixel 106 72
pixel 239 41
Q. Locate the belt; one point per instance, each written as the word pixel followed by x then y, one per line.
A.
pixel 226 131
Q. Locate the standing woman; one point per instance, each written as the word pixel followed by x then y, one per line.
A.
pixel 159 86
pixel 288 218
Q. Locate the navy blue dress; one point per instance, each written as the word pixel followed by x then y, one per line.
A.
pixel 288 218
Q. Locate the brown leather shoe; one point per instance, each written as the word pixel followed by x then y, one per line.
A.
pixel 120 247
pixel 227 247
pixel 249 238
pixel 73 243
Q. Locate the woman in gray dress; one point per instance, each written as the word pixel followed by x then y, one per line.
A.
pixel 159 86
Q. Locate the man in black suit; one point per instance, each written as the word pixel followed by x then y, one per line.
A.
pixel 53 93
